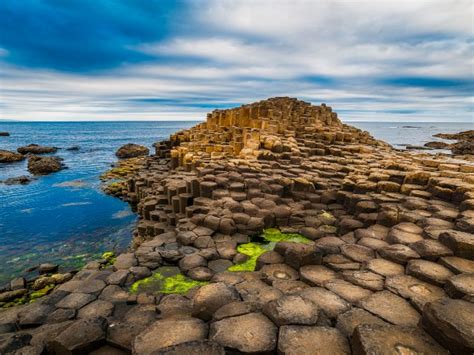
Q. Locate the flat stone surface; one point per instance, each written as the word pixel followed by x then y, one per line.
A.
pixel 233 309
pixel 431 249
pixel 461 286
pixel 417 291
pixel 305 340
pixel 391 308
pixel 34 314
pixel 317 275
pixel 451 322
pixel 251 332
pixel 429 271
pixel 358 253
pixel 83 336
pixel 461 243
pixel 199 347
pixel 274 272
pixel 76 300
pixel 210 298
pixel 96 309
pixel 365 279
pixel 392 339
pixel 168 332
pixel 458 265
pixel 348 321
pixel 351 293
pixel 398 253
pixel 384 267
pixel 330 303
pixel 292 309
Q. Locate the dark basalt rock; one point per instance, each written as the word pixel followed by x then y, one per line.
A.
pixel 44 165
pixel 4 134
pixel 131 150
pixel 7 156
pixel 19 180
pixel 36 149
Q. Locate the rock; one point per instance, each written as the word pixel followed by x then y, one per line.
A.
pixel 11 295
pixel 19 180
pixel 252 332
pixel 209 298
pixel 392 339
pixel 418 292
pixel 168 332
pixel 297 339
pixel 429 271
pixel 398 253
pixel 391 308
pixel 12 343
pixel 451 322
pixel 97 308
pixel 274 272
pixel 347 322
pixel 292 309
pixel 61 315
pixel 9 157
pixel 234 309
pixel 461 286
pixel 317 275
pixel 34 315
pixel 365 279
pixel 457 265
pixel 461 243
pixel 73 148
pixel 431 249
pixel 44 165
pixel 330 303
pixel 82 337
pixel 131 150
pixel 76 300
pixel 36 149
pixel 125 261
pixel 349 292
pixel 4 134
pixel 199 347
pixel 357 253
pixel 437 145
pixel 384 267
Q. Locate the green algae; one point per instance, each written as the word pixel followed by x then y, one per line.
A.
pixel 40 293
pixel 166 280
pixel 269 238
pixel 253 251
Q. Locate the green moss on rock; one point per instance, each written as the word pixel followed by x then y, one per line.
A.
pixel 270 237
pixel 166 280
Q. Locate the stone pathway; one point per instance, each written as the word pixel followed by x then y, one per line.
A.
pixel 386 264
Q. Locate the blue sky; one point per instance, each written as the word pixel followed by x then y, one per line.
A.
pixel 381 60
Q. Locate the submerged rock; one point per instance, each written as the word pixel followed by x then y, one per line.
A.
pixel 36 149
pixel 44 165
pixel 19 180
pixel 4 134
pixel 131 150
pixel 7 156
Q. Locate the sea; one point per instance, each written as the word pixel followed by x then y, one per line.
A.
pixel 65 218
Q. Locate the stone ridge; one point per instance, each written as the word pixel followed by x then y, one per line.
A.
pixel 387 266
pixel 262 130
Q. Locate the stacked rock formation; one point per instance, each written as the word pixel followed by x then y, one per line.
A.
pixel 388 268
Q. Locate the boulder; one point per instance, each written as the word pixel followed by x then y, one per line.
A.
pixel 36 149
pixel 131 150
pixel 9 157
pixel 44 165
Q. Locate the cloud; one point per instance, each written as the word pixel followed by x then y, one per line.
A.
pixel 144 60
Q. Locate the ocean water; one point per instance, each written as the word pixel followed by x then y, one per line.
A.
pixel 65 218
pixel 400 134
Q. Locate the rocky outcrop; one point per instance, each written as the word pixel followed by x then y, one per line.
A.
pixel 464 144
pixel 44 165
pixel 437 145
pixel 273 227
pixel 7 156
pixel 131 150
pixel 4 134
pixel 19 180
pixel 36 149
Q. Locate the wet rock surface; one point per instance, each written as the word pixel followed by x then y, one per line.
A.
pixel 44 165
pixel 36 149
pixel 7 156
pixel 287 231
pixel 131 150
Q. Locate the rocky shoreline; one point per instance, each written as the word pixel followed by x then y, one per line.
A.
pixel 273 228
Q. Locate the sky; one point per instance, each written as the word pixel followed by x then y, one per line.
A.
pixel 404 60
